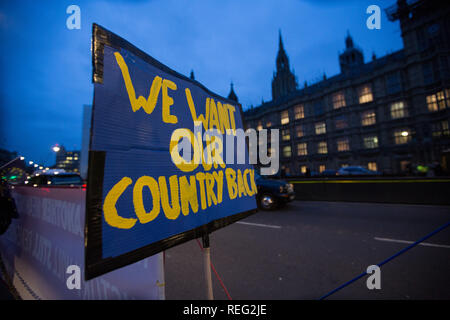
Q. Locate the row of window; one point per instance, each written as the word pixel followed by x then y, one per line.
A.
pixel 435 102
pixel 397 110
pixel 440 128
pixel 369 142
pixel 364 96
pixel 372 165
pixel 341 122
pixel 338 98
pixel 304 168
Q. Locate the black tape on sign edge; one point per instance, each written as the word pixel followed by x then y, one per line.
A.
pixel 94 211
pixel 95 265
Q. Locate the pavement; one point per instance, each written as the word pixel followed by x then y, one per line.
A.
pixel 307 249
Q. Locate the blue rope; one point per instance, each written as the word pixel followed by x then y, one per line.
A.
pixel 387 260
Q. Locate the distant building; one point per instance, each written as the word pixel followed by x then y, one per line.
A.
pixel 386 114
pixel 67 160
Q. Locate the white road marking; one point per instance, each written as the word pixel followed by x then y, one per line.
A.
pixel 425 244
pixel 259 225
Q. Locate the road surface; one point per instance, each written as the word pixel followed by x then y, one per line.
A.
pixel 306 249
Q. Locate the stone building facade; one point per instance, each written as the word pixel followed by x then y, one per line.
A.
pixel 387 114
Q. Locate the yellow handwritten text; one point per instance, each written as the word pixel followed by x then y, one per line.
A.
pixel 176 195
pixel 149 104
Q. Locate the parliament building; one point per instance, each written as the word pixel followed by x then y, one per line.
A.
pixel 386 114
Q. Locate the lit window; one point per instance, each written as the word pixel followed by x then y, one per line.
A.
pixel 432 103
pixel 299 112
pixel 340 123
pixel 287 151
pixel 322 147
pixel 321 168
pixel 365 94
pixel 303 169
pixel 321 128
pixel 299 131
pixel 440 129
pixel 402 136
pixel 370 142
pixel 259 126
pixel 285 117
pixel 285 134
pixel 372 166
pixel 398 110
pixel 368 118
pixel 302 149
pixel 439 101
pixel 338 100
pixel 343 145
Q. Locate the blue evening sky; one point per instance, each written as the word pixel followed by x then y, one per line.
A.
pixel 46 68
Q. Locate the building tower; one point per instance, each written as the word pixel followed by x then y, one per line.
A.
pixel 232 95
pixel 351 57
pixel 283 81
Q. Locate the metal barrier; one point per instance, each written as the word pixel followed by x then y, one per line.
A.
pixel 386 190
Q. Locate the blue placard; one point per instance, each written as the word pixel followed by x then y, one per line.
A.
pixel 155 179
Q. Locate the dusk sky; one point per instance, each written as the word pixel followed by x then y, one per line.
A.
pixel 46 68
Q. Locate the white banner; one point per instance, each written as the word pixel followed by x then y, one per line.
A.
pixel 43 252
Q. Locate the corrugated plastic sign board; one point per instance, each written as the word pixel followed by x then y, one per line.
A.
pixel 138 104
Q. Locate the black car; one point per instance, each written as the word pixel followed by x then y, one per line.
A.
pixel 273 193
pixel 328 173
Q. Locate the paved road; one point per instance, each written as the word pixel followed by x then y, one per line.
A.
pixel 309 248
